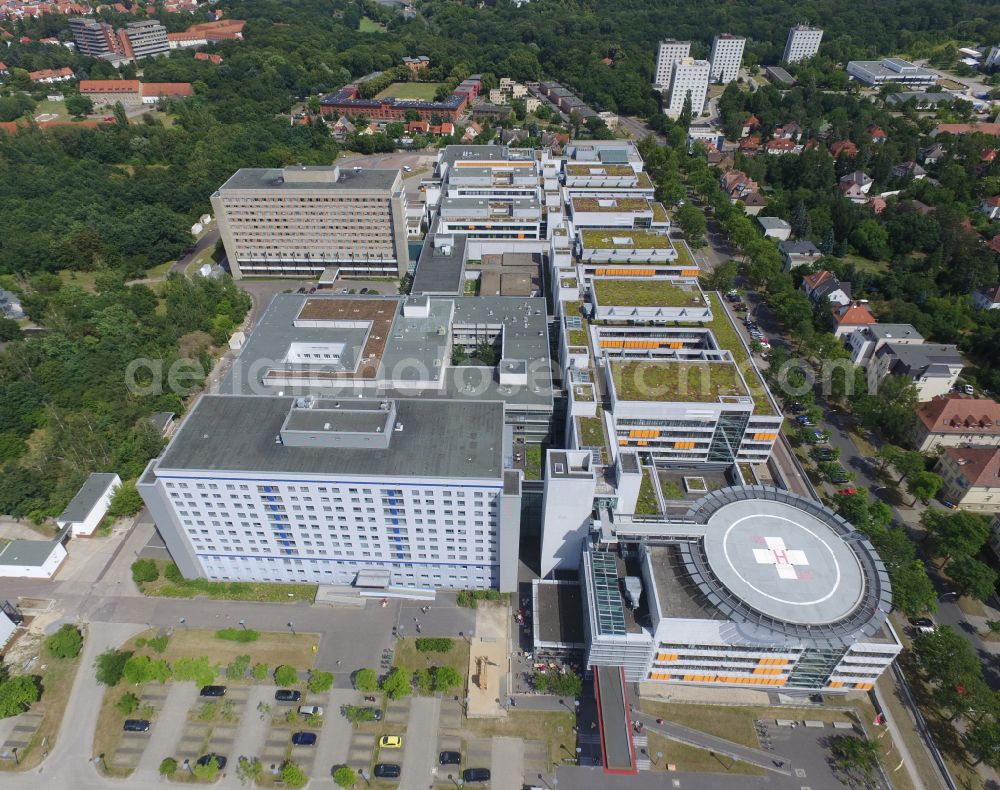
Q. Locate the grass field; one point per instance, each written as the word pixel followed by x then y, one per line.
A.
pixel 409 658
pixel 411 90
pixel 271 649
pixel 56 108
pixel 227 591
pixel 555 728
pixel 688 758
pixel 84 279
pixel 370 26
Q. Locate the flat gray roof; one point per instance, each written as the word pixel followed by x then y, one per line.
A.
pixel 31 553
pixel 559 612
pixel 440 269
pixel 273 178
pixel 894 331
pixel 439 438
pixel 90 492
pixel 773 223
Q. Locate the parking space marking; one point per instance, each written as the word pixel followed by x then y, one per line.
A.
pixel 536 757
pixel 359 755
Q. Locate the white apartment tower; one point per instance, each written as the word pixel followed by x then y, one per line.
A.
pixel 690 76
pixel 727 57
pixel 803 43
pixel 670 52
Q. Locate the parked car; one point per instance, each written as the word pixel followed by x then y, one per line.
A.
pixel 387 771
pixel 390 742
pixel 821 436
pixel 363 291
pixel 304 739
pixel 922 625
pixel 213 691
pixel 310 710
pixel 136 725
pixel 795 408
pixel 450 758
pixel 840 477
pixel 476 774
pixel 847 491
pixel 287 695
pixel 220 761
pixel 968 389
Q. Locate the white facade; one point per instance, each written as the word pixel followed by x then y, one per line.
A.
pixel 670 52
pixel 7 629
pixel 90 505
pixel 727 57
pixel 690 77
pixel 40 561
pixel 802 44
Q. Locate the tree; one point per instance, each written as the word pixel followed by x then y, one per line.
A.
pixel 955 534
pixel 206 772
pixel 800 221
pixel 66 642
pixel 397 684
pixel 126 502
pixel 320 681
pixel 292 775
pixel 871 239
pixel 854 755
pixel 423 681
pixel 983 739
pixel 109 666
pixel 486 353
pixel 237 668
pixel 923 486
pixel 142 669
pixel 446 678
pixel 285 675
pixel 259 671
pixel 913 591
pixel 345 777
pixel 944 654
pixel 17 694
pixel 722 278
pixel 249 770
pixel 973 577
pixel 144 570
pixel 199 669
pixel 365 680
pixel 168 766
pixel 78 106
pixel 692 223
pixel 687 113
pixel 127 703
pixel 566 684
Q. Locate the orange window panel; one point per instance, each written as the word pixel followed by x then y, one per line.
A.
pixel 623 442
pixel 765 437
pixel 611 344
pixel 689 272
pixel 835 684
pixel 677 344
pixel 643 443
pixel 863 686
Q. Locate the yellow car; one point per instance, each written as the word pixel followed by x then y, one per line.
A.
pixel 390 742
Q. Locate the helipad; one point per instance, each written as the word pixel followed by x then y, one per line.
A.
pixel 783 562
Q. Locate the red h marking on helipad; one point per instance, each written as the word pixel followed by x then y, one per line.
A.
pixel 783 559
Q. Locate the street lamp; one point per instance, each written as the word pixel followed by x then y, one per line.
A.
pixel 541 778
pixel 243 624
pixel 184 621
pixel 16 760
pixel 291 627
pixel 363 773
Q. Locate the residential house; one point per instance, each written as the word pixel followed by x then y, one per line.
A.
pixel 988 298
pixel 843 148
pixel 754 203
pixel 782 146
pixel 931 154
pixel 850 317
pixel 990 207
pixel 956 421
pixel 909 169
pixel 418 63
pixel 342 129
pixel 10 305
pixel 4 71
pixel 992 129
pixel 825 285
pixel 789 131
pixel 865 341
pixel 213 58
pixel 876 204
pixel 749 125
pixel 797 253
pixel 90 505
pixel 994 244
pixel 51 76
pixel 855 186
pixel 932 367
pixel 876 133
pixel 775 228
pixel 971 478
pixel 750 145
pixel 417 127
pixel 738 184
pixel 472 131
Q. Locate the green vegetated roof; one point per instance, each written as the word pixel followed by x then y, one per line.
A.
pixel 668 380
pixel 599 169
pixel 644 293
pixel 646 505
pixel 728 338
pixel 577 337
pixel 591 432
pixel 659 212
pixel 611 204
pixel 626 239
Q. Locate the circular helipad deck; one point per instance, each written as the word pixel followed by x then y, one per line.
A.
pixel 783 562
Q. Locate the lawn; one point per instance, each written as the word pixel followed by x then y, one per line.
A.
pixel 866 265
pixel 630 239
pixel 555 728
pixel 108 731
pixel 57 682
pixel 644 293
pixel 670 489
pixel 646 504
pixel 411 90
pixel 203 257
pixel 676 381
pixel 73 277
pixel 591 432
pixel 577 337
pixel 688 758
pixel 728 338
pixel 272 649
pixel 227 591
pixel 56 108
pixel 370 26
pixel 532 462
pixel 409 658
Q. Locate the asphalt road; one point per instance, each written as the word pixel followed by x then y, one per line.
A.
pixel 205 242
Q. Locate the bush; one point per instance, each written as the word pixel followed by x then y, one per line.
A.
pixel 249 770
pixel 128 703
pixel 172 573
pixel 320 681
pixel 259 671
pixel 110 665
pixel 471 598
pixel 207 772
pixel 143 669
pixel 125 501
pixel 344 777
pixel 65 643
pixel 292 775
pixel 237 635
pixel 356 714
pixel 237 669
pixel 565 684
pixel 286 675
pixel 168 766
pixel 366 680
pixel 434 644
pixel 158 643
pixel 197 669
pixel 144 571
